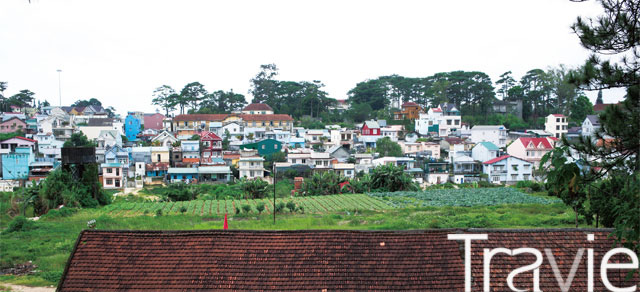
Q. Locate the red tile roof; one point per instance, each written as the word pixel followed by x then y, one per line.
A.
pixel 437 109
pixel 492 161
pixel 602 106
pixel 21 138
pixel 221 117
pixel 209 136
pixel 275 117
pixel 201 117
pixel 257 107
pixel 536 142
pixel 558 115
pixel 318 260
pixel 263 260
pixel 156 166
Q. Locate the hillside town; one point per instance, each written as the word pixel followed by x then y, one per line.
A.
pixel 151 148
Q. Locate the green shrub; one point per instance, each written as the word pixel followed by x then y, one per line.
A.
pixel 159 212
pixel 246 208
pixel 20 223
pixel 260 208
pixel 279 207
pixel 183 209
pixel 291 206
pixel 51 276
pixel 57 213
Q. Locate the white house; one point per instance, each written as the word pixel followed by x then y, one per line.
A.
pixel 321 160
pixel 444 120
pixel 392 131
pixel 345 169
pixel 364 162
pixel 251 165
pixel 531 149
pixel 484 151
pixel 556 124
pixel 590 125
pixel 234 129
pixel 165 139
pixel 507 169
pixel 108 138
pixel 494 134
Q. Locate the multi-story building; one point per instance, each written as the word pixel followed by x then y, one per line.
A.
pixel 590 125
pixel 425 149
pixel 191 124
pixel 190 151
pixel 494 134
pixel 153 121
pixel 370 133
pixel 507 169
pixel 211 148
pixel 112 175
pixel 15 164
pixel 444 120
pixel 556 124
pixel 531 149
pixel 132 126
pixel 257 109
pixel 251 165
pixel 485 151
pixel 410 111
pixel 12 124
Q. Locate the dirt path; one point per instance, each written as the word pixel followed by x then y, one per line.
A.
pixel 25 288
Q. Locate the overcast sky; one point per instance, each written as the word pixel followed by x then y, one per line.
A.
pixel 120 51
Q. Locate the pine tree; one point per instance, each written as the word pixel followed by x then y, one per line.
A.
pixel 599 99
pixel 613 152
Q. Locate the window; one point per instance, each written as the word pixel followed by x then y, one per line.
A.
pixel 109 170
pixel 514 177
pixel 263 147
pixel 526 177
pixel 117 171
pixel 448 122
pixel 109 181
pixel 495 178
pixel 557 120
pixel 275 146
pixel 457 122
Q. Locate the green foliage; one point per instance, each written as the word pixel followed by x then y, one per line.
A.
pixel 260 208
pixel 159 212
pixel 580 108
pixel 309 123
pixel 565 179
pixel 391 178
pixel 386 147
pixel 183 210
pixel 459 197
pixel 19 224
pixel 58 213
pixel 322 183
pixel 279 207
pixel 180 192
pixel 246 208
pixel 85 103
pixel 78 139
pixel 165 97
pixel 254 188
pixel 5 136
pixel 291 206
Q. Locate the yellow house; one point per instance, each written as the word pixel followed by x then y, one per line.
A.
pixel 160 154
pixel 195 123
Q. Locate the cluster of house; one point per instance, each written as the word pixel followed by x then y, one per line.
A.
pixel 152 149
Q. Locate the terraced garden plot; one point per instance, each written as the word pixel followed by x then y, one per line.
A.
pixel 460 197
pixel 315 204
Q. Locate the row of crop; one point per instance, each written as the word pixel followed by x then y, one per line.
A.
pixel 316 204
pixel 460 197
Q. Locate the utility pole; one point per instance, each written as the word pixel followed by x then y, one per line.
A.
pixel 59 86
pixel 274 192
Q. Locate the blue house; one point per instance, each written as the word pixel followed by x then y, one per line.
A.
pixel 15 165
pixel 132 127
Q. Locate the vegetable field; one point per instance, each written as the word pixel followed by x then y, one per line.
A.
pixel 460 197
pixel 316 204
